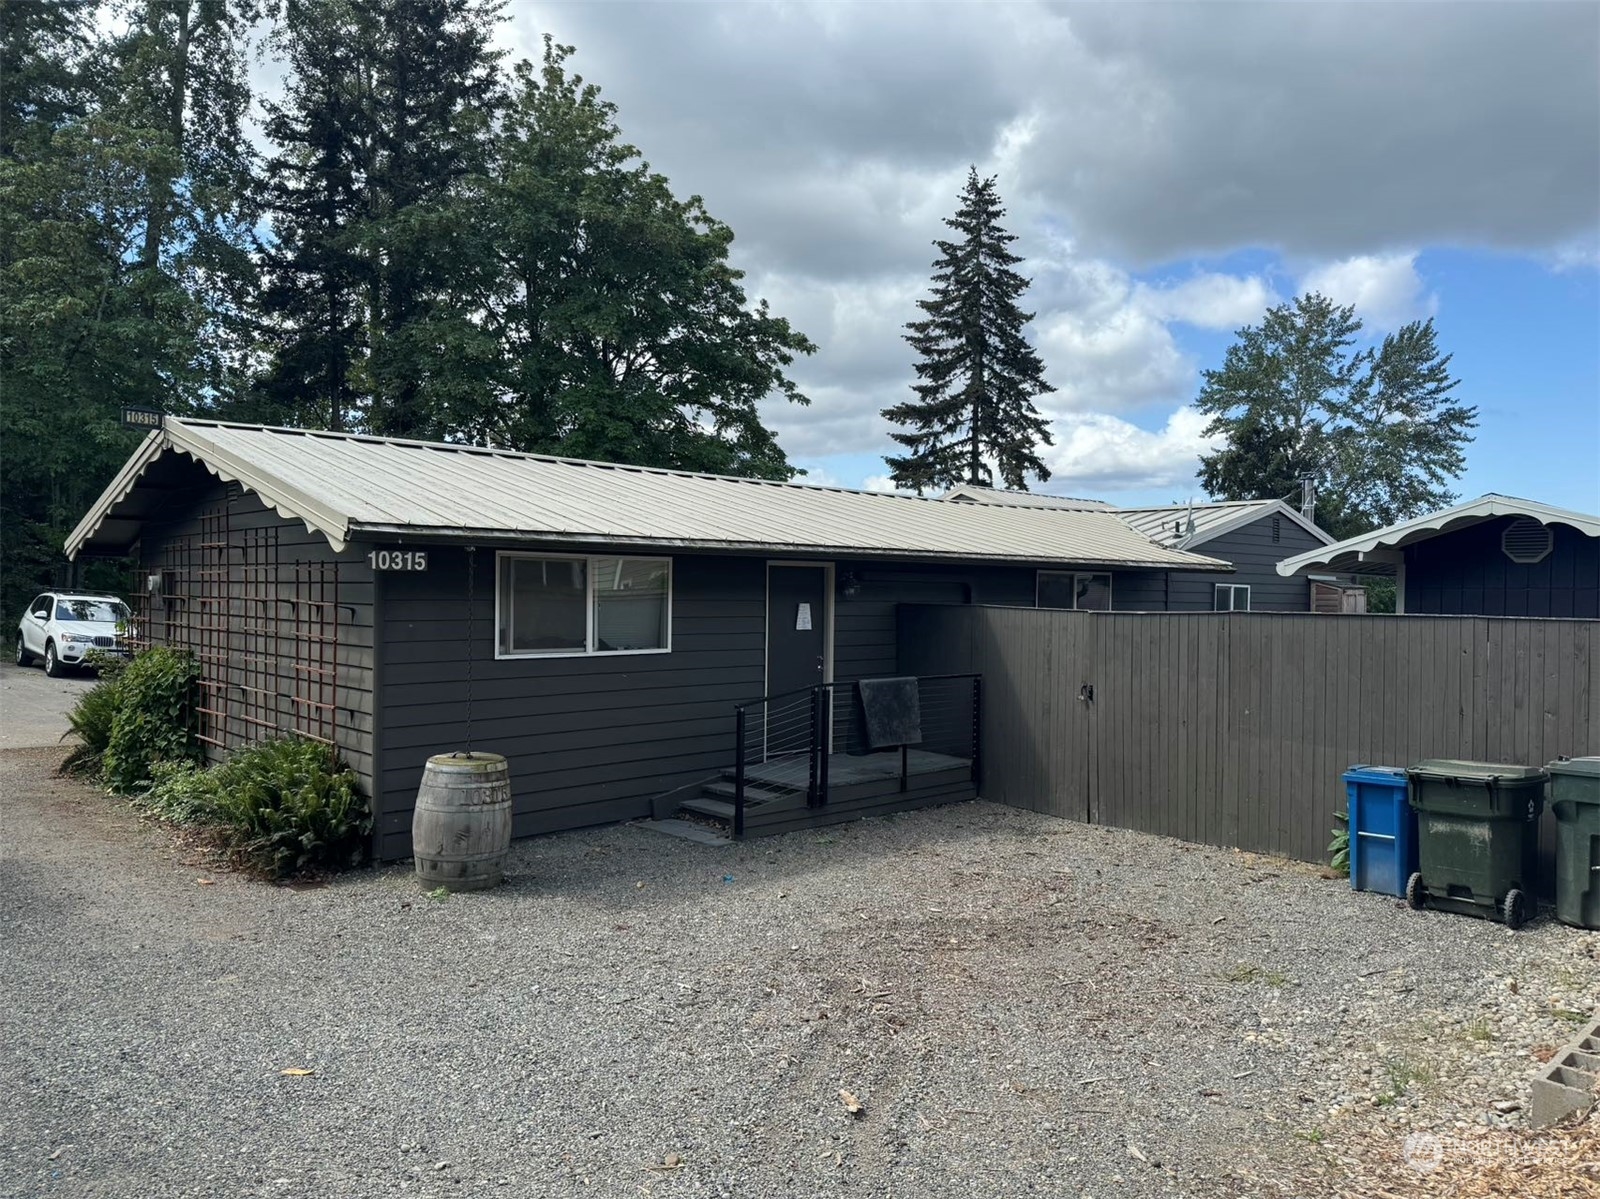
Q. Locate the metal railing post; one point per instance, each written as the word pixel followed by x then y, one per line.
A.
pixel 812 799
pixel 826 746
pixel 738 771
pixel 977 732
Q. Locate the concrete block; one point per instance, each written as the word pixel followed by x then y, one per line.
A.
pixel 1571 1082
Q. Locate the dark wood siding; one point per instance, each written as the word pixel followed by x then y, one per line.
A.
pixel 593 739
pixel 589 739
pixel 1255 556
pixel 864 629
pixel 217 533
pixel 1466 573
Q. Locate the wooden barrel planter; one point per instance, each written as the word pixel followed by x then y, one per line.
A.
pixel 461 830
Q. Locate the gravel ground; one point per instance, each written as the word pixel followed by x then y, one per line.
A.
pixel 1024 1006
pixel 34 706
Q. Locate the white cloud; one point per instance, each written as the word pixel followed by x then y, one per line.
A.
pixel 882 484
pixel 1211 301
pixel 1385 288
pixel 1095 452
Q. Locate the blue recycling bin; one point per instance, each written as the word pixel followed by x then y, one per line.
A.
pixel 1383 829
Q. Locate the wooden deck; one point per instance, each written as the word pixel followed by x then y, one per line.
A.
pixel 858 786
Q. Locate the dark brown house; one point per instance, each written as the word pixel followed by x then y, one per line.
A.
pixel 602 626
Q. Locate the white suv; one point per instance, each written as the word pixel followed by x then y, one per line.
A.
pixel 61 629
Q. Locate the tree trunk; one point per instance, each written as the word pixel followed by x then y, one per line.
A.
pixel 155 225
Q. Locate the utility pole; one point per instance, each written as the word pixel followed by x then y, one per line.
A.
pixel 1308 499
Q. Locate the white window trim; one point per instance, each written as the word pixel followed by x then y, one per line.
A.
pixel 1075 575
pixel 1235 588
pixel 588 607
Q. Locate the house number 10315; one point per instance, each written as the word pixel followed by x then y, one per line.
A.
pixel 398 559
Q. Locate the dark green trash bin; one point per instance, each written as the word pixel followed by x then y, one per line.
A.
pixel 1575 800
pixel 1477 837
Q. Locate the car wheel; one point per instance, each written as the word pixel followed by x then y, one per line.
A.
pixel 23 656
pixel 52 664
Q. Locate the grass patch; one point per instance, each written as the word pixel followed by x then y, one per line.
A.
pixel 1478 1030
pixel 1403 1074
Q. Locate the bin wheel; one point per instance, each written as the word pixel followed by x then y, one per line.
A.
pixel 1415 895
pixel 1514 908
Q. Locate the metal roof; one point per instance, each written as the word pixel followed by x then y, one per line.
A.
pixel 1350 555
pixel 355 487
pixel 1169 523
pixel 1023 499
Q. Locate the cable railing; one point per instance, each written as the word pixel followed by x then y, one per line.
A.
pixel 783 743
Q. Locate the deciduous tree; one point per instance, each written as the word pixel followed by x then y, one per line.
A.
pixel 625 332
pixel 1376 428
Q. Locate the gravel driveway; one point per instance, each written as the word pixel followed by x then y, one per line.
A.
pixel 34 707
pixel 1023 1006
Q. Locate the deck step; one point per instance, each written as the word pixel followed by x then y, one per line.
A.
pixel 714 808
pixel 752 794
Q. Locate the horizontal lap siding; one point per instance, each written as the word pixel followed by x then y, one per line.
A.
pixel 162 549
pixel 864 624
pixel 1255 557
pixel 588 739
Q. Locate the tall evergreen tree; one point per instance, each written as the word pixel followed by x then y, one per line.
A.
pixel 376 256
pixel 124 200
pixel 435 89
pixel 1377 429
pixel 625 332
pixel 977 374
pixel 312 304
pixel 178 95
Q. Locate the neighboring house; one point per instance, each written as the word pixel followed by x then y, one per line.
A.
pixel 1252 535
pixel 1493 556
pixel 595 623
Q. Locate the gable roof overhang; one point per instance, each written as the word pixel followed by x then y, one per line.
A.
pixel 1382 551
pixel 1214 518
pixel 356 487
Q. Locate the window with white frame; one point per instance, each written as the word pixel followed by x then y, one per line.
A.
pixel 1232 597
pixel 1083 591
pixel 548 604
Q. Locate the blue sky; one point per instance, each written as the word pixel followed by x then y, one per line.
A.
pixel 1171 169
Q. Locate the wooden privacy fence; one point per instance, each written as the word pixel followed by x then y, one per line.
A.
pixel 1233 728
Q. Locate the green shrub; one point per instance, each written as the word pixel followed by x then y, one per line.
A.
pixel 1339 847
pixel 183 792
pixel 92 718
pixel 154 717
pixel 289 806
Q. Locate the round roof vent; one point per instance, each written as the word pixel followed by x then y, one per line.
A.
pixel 1527 541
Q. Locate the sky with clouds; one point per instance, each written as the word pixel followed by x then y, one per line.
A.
pixel 1170 171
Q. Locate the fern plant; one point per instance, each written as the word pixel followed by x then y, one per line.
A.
pixel 289 806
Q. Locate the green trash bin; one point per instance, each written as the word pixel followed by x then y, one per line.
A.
pixel 1477 837
pixel 1575 800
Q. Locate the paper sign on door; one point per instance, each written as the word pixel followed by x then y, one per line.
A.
pixel 802 618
